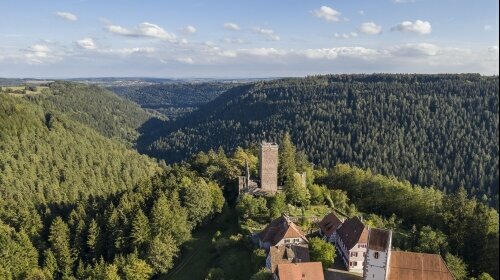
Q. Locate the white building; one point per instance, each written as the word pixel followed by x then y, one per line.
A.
pixel 378 254
pixel 382 263
pixel 352 241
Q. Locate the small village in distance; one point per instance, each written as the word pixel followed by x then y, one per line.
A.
pixel 365 252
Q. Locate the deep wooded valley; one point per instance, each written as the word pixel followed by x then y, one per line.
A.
pixel 127 182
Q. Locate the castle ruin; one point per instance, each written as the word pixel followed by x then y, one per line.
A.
pixel 268 166
pixel 267 184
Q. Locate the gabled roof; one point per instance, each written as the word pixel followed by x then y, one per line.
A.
pixel 301 271
pixel 293 253
pixel 352 232
pixel 379 239
pixel 280 228
pixel 413 266
pixel 329 224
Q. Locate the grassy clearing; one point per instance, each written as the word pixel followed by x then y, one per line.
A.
pixel 22 90
pixel 199 254
pixel 313 212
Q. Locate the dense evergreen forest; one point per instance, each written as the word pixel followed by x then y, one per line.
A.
pixel 77 202
pixel 96 107
pixel 173 99
pixel 439 130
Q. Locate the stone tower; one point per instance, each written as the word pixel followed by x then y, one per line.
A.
pixel 268 171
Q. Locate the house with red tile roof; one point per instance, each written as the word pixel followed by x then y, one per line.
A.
pixel 328 227
pixel 281 231
pixel 291 253
pixel 352 241
pixel 300 271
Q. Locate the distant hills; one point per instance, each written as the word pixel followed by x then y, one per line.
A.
pixel 173 99
pixel 439 130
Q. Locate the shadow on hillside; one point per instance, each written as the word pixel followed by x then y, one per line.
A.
pixel 150 131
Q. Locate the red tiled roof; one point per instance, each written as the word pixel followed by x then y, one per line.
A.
pixel 288 254
pixel 301 271
pixel 352 232
pixel 413 266
pixel 280 228
pixel 329 224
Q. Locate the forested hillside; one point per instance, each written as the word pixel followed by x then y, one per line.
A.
pixel 45 157
pixel 173 99
pixel 439 130
pixel 112 116
pixel 76 204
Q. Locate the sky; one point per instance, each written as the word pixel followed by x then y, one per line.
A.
pixel 246 38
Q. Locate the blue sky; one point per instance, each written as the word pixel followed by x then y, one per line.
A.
pixel 254 38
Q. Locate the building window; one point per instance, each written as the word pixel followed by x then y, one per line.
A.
pixel 296 240
pixel 287 241
pixel 375 255
pixel 350 263
pixel 355 263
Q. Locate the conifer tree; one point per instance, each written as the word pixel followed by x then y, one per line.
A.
pixel 286 165
pixel 141 230
pixel 94 240
pixel 59 244
pixel 162 252
pixel 136 269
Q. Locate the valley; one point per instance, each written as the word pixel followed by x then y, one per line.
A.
pixel 96 186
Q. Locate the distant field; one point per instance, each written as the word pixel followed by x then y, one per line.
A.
pixel 22 90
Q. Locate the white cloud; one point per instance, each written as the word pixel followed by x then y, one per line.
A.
pixel 264 52
pixel 67 16
pixel 488 27
pixel 418 26
pixel 38 54
pixel 116 29
pixel 189 29
pixel 370 28
pixel 86 43
pixel 337 35
pixel 345 35
pixel 346 52
pixel 187 60
pixel 155 31
pixel 234 41
pixel 327 13
pixel 411 50
pixel 144 29
pixel 268 33
pixel 128 51
pixel 232 26
pixel 192 59
pixel 361 12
